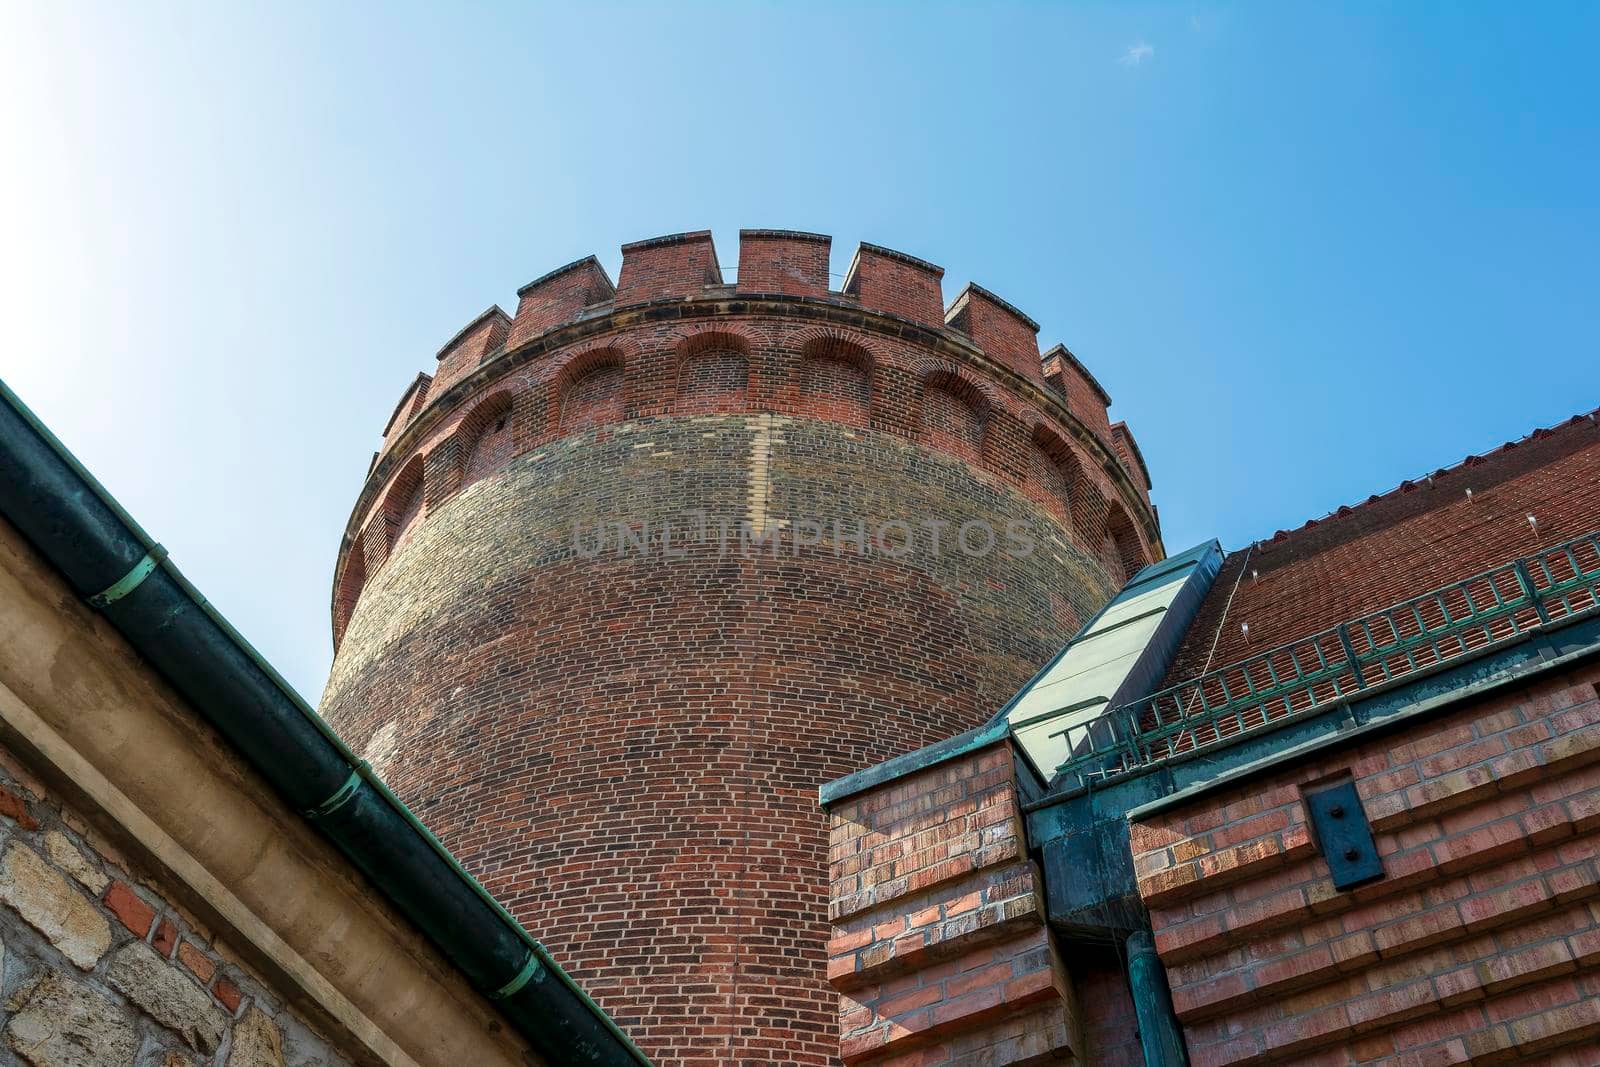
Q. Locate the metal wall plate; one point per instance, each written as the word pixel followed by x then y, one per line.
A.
pixel 1344 835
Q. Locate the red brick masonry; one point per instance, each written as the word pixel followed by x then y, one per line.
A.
pixel 938 923
pixel 939 946
pixel 1480 945
pixel 626 748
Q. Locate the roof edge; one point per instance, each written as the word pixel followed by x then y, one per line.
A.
pixel 840 789
pixel 86 534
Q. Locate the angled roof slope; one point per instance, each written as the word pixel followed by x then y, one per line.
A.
pixel 1419 536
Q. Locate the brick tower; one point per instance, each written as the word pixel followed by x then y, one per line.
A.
pixel 641 566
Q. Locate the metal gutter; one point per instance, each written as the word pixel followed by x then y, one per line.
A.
pixel 1354 721
pixel 1160 1033
pixel 111 563
pixel 1367 710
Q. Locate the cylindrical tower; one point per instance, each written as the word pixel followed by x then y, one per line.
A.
pixel 641 566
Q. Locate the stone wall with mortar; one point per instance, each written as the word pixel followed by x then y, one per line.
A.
pixel 98 969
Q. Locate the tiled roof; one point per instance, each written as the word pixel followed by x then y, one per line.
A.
pixel 1419 536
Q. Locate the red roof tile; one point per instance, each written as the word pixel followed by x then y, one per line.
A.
pixel 1419 536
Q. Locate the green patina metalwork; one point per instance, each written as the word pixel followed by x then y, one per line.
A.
pixel 1159 1036
pixel 86 534
pixel 1343 835
pixel 1498 607
pixel 1081 832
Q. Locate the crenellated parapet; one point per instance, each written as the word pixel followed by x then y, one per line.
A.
pixel 463 352
pixel 1132 458
pixel 680 265
pixel 783 261
pixel 671 338
pixel 559 297
pixel 1005 334
pixel 1084 395
pixel 882 279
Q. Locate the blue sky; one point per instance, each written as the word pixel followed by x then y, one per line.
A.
pixel 1310 250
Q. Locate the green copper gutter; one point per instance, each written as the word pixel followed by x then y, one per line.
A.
pixel 114 565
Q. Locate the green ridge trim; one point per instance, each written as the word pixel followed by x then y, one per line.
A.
pixel 830 793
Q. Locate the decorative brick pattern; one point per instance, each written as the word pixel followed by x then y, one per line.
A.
pixel 124 979
pixel 592 397
pixel 713 374
pixel 625 746
pixel 939 946
pixel 1480 944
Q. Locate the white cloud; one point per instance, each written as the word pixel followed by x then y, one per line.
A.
pixel 1136 54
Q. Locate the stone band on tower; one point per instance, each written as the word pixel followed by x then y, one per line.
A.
pixel 622 736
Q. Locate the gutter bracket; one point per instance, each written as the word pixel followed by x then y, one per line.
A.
pixel 529 971
pixel 130 581
pixel 342 795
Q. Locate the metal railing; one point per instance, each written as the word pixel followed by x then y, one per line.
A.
pixel 1496 607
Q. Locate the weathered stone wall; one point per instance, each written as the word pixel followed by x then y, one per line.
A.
pixel 98 969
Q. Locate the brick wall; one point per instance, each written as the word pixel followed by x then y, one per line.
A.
pixel 1481 943
pixel 625 746
pixel 462 353
pixel 1085 398
pixel 1005 334
pixel 782 261
pixel 938 946
pixel 98 968
pixel 558 297
pixel 886 280
pixel 678 265
pixel 627 750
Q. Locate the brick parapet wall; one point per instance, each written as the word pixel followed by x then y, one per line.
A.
pixel 99 967
pixel 939 947
pixel 1481 943
pixel 462 354
pixel 849 376
pixel 901 292
pixel 781 261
